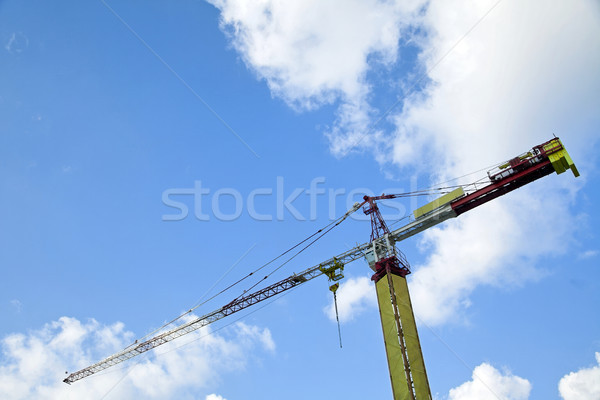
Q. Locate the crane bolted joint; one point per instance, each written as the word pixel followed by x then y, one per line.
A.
pixel 389 265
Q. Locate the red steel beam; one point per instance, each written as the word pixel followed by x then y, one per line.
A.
pixel 502 187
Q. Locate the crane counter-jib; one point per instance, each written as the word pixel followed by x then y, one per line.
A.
pixel 540 161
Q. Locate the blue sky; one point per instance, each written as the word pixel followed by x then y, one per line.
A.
pixel 107 108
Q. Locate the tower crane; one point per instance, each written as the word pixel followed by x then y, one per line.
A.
pixel 403 350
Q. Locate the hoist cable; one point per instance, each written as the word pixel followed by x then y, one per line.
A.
pixel 336 222
pixel 337 317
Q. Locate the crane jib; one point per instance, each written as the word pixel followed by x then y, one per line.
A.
pixel 234 306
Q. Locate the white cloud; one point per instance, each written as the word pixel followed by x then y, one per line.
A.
pixel 17 43
pixel 588 254
pixel 496 245
pixel 215 397
pixel 311 52
pixel 527 70
pixel 17 305
pixel 488 383
pixel 583 384
pixel 250 334
pixel 34 364
pixel 354 296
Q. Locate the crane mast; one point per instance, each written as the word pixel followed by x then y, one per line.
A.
pixel 403 350
pixel 405 359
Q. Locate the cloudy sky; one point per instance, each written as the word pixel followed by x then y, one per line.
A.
pixel 153 153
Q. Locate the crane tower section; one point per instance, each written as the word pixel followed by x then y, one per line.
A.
pixel 403 350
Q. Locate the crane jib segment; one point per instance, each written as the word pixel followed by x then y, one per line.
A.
pixel 234 306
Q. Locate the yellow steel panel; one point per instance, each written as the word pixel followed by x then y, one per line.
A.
pixel 571 164
pixel 561 160
pixel 400 387
pixel 447 198
pixel 553 145
pixel 411 339
pixel 557 162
